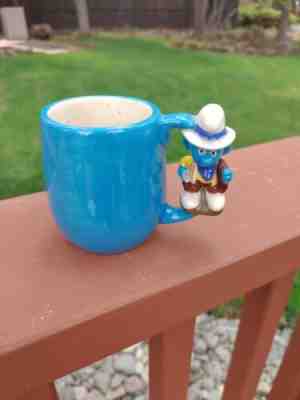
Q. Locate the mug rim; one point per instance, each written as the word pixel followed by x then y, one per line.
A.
pixel 45 118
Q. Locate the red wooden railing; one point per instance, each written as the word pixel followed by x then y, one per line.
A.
pixel 62 308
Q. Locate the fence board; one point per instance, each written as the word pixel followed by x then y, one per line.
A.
pixel 170 360
pixel 262 311
pixel 45 392
pixel 287 382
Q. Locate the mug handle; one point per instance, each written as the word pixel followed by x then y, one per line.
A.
pixel 170 214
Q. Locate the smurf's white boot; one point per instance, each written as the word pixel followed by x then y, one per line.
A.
pixel 190 201
pixel 215 201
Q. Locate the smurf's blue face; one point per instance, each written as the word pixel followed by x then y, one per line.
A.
pixel 206 158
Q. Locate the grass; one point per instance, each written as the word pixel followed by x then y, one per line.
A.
pixel 261 96
pixel 293 308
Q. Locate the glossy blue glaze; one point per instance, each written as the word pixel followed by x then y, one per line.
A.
pixel 107 185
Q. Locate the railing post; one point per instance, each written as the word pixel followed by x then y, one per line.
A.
pixel 45 392
pixel 287 382
pixel 261 314
pixel 170 361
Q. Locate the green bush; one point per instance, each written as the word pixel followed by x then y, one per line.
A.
pixel 294 19
pixel 265 16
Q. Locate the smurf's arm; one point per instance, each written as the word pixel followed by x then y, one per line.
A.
pixel 225 173
pixel 183 173
pixel 183 170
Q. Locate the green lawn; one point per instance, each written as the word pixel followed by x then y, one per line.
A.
pixel 261 96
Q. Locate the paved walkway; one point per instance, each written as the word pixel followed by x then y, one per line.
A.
pixel 31 46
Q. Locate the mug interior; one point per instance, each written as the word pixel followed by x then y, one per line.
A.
pixel 100 111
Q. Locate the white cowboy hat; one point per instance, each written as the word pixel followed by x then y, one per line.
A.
pixel 211 132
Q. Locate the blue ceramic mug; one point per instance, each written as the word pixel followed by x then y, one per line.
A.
pixel 105 166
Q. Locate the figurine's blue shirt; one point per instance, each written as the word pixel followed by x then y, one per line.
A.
pixel 207 173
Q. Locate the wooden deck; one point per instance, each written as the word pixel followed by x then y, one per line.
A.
pixel 56 297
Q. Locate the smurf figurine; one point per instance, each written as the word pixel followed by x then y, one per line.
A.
pixel 205 175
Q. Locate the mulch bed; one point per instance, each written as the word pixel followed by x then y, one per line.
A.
pixel 243 41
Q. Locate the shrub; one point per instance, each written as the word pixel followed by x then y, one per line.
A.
pixel 265 16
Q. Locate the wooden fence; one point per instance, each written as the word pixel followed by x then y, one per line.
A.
pixel 108 13
pixel 61 14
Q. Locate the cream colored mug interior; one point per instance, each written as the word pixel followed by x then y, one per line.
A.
pixel 100 111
